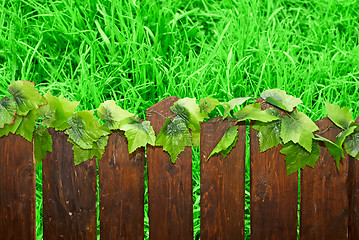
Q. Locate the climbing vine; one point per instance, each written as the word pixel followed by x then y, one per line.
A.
pixel 27 113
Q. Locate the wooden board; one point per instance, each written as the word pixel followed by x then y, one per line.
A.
pixel 222 183
pixel 169 185
pixel 324 199
pixel 17 184
pixel 69 193
pixel 121 191
pixel 273 195
pixel 353 198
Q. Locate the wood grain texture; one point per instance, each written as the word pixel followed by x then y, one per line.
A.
pixel 222 183
pixel 273 195
pixel 17 184
pixel 69 193
pixel 353 198
pixel 324 198
pixel 169 185
pixel 121 177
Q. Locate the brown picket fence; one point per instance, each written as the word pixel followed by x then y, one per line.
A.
pixel 329 198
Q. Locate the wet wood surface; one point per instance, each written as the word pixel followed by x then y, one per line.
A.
pixel 324 198
pixel 17 184
pixel 121 189
pixel 222 183
pixel 273 194
pixel 169 185
pixel 69 193
pixel 353 197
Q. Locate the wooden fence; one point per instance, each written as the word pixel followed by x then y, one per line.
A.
pixel 329 199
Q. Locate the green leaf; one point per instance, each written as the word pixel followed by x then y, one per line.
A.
pixel 25 97
pixel 11 128
pixel 27 125
pixel 280 99
pixel 269 134
pixel 339 140
pixel 174 136
pixel 227 142
pixel 188 110
pixel 351 145
pixel 138 133
pixel 42 143
pixel 57 112
pixel 7 111
pixel 334 150
pixel 85 129
pixel 297 157
pixel 254 112
pixel 340 116
pixel 298 128
pixel 208 104
pixel 113 114
pixel 97 150
pixel 273 111
pixel 228 106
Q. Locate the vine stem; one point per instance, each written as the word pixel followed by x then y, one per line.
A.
pixel 153 111
pixel 325 130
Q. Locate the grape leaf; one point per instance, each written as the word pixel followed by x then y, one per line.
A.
pixel 56 113
pixel 351 144
pixel 97 150
pixel 113 114
pixel 340 116
pixel 138 133
pixel 297 157
pixel 254 112
pixel 339 140
pixel 27 126
pixel 190 112
pixel 11 128
pixel 85 129
pixel 7 111
pixel 298 128
pixel 227 142
pixel 25 97
pixel 334 150
pixel 280 99
pixel 174 136
pixel 228 106
pixel 208 104
pixel 42 143
pixel 269 134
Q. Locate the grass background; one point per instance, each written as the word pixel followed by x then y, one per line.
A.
pixel 139 52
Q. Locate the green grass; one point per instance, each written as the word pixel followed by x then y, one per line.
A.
pixel 139 52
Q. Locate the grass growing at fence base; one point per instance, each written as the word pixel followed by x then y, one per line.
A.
pixel 139 52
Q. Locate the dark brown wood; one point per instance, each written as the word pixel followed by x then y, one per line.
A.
pixel 222 183
pixel 17 183
pixel 353 198
pixel 69 193
pixel 121 180
pixel 169 185
pixel 323 197
pixel 274 194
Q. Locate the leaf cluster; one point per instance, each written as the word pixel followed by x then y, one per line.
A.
pixel 27 113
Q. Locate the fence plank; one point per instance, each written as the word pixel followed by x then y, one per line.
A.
pixel 169 185
pixel 324 199
pixel 353 197
pixel 274 194
pixel 17 183
pixel 222 184
pixel 121 178
pixel 69 193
